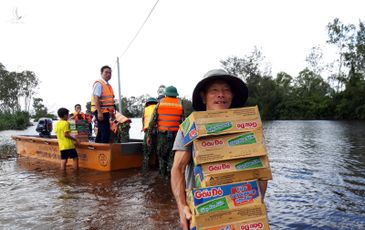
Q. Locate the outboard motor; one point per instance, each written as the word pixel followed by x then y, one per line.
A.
pixel 44 127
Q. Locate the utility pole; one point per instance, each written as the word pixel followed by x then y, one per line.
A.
pixel 119 93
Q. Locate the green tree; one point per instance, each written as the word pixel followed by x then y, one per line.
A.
pixel 257 74
pixel 312 94
pixel 187 105
pixel 9 92
pixel 40 110
pixel 88 107
pixel 341 36
pixel 27 83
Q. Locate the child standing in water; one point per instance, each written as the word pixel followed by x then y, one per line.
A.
pixel 66 146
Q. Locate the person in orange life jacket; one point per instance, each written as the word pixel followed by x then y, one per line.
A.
pixel 167 116
pixel 218 90
pixel 103 104
pixel 146 118
pixel 78 115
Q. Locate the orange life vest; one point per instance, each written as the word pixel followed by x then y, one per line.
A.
pixel 80 116
pixel 89 118
pixel 147 115
pixel 120 118
pixel 106 99
pixel 170 111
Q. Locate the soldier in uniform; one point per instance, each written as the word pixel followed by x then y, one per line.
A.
pixel 166 118
pixel 120 128
pixel 146 118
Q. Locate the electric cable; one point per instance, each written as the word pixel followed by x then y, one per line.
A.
pixel 139 30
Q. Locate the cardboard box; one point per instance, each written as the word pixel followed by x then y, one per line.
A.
pixel 81 137
pixel 203 181
pixel 79 125
pixel 216 122
pixel 250 224
pixel 229 146
pixel 228 166
pixel 80 133
pixel 223 197
pixel 248 213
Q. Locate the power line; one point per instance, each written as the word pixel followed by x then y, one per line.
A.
pixel 139 30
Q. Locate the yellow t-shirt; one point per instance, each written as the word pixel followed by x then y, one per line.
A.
pixel 60 129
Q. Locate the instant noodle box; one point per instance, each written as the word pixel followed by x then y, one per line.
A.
pixel 205 180
pixel 231 166
pixel 229 146
pixel 250 224
pixel 223 197
pixel 79 125
pixel 249 216
pixel 216 122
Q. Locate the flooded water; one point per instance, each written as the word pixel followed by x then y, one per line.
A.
pixel 318 183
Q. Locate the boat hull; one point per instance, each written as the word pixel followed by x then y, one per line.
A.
pixel 102 157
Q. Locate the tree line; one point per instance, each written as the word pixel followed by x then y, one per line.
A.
pixel 334 90
pixel 17 90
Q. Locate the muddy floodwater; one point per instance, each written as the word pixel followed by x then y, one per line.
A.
pixel 318 183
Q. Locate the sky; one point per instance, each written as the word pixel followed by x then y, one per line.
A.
pixel 65 43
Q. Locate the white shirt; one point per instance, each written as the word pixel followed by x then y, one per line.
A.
pixel 98 88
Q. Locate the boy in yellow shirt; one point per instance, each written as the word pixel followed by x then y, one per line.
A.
pixel 66 146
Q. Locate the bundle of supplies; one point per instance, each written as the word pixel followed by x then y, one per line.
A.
pixel 230 158
pixel 79 129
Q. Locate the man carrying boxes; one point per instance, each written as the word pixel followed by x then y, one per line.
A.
pixel 220 144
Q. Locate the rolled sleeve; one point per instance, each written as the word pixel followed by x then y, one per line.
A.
pixel 98 89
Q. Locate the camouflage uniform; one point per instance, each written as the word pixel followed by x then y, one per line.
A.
pixel 122 135
pixel 123 132
pixel 164 143
pixel 148 150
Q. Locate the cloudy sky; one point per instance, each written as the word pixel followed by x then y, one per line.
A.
pixel 66 42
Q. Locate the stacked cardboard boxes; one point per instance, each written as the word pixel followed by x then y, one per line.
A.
pixel 79 130
pixel 230 156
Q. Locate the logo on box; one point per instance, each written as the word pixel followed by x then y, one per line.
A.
pixel 212 143
pixel 206 193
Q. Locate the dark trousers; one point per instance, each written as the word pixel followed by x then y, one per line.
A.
pixel 103 135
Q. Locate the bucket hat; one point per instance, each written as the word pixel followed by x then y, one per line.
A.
pixel 238 87
pixel 171 91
